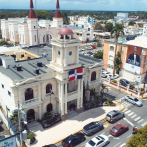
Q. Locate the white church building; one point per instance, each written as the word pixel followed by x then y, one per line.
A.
pixel 61 70
pixel 31 32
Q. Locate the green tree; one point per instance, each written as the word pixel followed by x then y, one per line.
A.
pixel 98 26
pixel 131 23
pixel 108 27
pixel 118 62
pixel 98 55
pixel 117 31
pixel 94 94
pixel 3 42
pixel 103 88
pixel 140 139
pixel 65 18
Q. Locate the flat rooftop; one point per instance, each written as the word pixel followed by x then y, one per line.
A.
pixel 28 66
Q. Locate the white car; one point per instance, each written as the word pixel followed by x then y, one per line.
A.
pixel 100 50
pixel 89 48
pixel 116 76
pixel 98 141
pixel 133 100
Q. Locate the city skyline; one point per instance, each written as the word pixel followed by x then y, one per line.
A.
pixel 90 5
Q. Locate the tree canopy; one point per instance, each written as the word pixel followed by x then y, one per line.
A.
pixel 131 23
pixel 108 27
pixel 98 26
pixel 98 55
pixel 140 139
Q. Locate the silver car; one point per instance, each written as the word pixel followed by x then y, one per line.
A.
pixel 92 128
pixel 114 115
pixel 133 100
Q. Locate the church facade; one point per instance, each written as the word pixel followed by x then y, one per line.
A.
pixel 31 32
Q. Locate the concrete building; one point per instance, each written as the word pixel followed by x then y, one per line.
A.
pixel 31 81
pixel 129 70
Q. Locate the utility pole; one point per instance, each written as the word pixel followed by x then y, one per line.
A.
pixel 20 127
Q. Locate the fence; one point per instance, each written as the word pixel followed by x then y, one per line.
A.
pixel 13 129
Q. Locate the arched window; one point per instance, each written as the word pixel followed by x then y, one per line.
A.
pixel 44 38
pixel 49 107
pixel 30 115
pixel 48 87
pixel 47 38
pixel 29 94
pixel 93 76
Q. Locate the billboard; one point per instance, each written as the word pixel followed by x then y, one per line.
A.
pixel 133 59
pixel 8 142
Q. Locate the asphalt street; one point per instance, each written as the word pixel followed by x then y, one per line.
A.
pixel 134 116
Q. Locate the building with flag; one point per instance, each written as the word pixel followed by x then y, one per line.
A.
pixel 51 81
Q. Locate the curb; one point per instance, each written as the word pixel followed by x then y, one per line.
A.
pixel 98 120
pixel 125 91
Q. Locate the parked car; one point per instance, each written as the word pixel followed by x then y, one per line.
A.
pixel 95 40
pixel 114 115
pixel 104 75
pixel 50 145
pixel 73 140
pixel 94 47
pixel 100 50
pixel 116 76
pixel 124 82
pixel 118 129
pixel 133 100
pixel 92 127
pixel 88 47
pixel 110 76
pixel 98 141
pixel 90 53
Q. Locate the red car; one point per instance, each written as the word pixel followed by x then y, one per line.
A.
pixel 94 47
pixel 118 129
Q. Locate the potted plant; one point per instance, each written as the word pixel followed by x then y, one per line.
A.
pixel 30 138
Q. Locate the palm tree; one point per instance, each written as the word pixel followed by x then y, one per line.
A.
pixel 118 62
pixel 117 30
pixel 103 87
pixel 94 93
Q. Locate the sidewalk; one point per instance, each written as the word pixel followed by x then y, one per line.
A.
pixel 127 92
pixel 70 126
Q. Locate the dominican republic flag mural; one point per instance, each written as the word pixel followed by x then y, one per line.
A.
pixel 75 74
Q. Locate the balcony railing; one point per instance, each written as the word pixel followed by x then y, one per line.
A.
pixel 31 101
pixel 95 81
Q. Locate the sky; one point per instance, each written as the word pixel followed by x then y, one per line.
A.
pixel 92 5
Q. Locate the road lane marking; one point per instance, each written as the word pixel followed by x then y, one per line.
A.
pixel 123 145
pixel 144 124
pixel 140 120
pixel 137 118
pixel 130 113
pixel 117 144
pixel 109 136
pixel 129 122
pixel 127 111
pixel 134 116
pixel 129 136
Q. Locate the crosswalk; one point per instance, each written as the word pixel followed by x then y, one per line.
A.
pixel 136 118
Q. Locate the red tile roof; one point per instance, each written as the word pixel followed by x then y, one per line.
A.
pixel 57 4
pixel 57 14
pixel 65 31
pixel 31 4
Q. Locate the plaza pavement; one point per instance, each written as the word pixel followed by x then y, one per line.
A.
pixel 67 127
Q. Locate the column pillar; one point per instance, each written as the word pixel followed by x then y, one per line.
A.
pixel 89 77
pixel 78 100
pixel 40 112
pixel 62 57
pixel 59 110
pixel 77 59
pixel 39 92
pixel 65 53
pixel 81 105
pixel 62 99
pixel 65 98
pixel 20 98
pixel 53 53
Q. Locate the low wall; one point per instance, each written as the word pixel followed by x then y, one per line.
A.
pixel 12 128
pixel 115 84
pixel 133 91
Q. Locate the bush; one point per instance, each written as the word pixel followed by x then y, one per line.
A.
pixel 109 101
pixel 31 135
pixel 132 87
pixel 114 81
pixel 99 44
pixel 3 42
